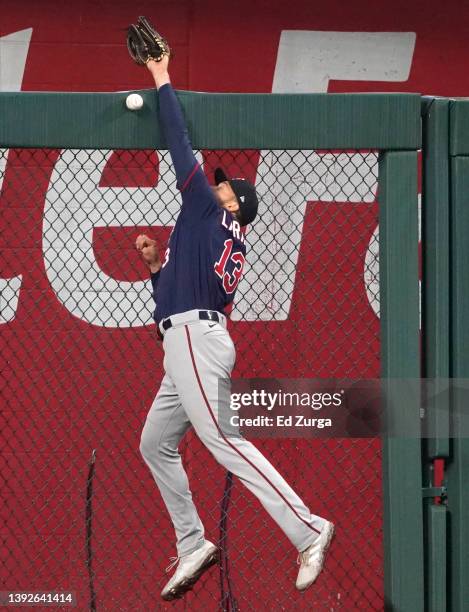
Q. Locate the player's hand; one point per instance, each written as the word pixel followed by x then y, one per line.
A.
pixel 148 248
pixel 159 70
pixel 158 67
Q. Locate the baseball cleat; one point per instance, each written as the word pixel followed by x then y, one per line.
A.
pixel 312 559
pixel 190 568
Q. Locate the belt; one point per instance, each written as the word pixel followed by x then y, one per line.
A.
pixel 187 317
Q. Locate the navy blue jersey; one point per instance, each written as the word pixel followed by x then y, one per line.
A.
pixel 205 254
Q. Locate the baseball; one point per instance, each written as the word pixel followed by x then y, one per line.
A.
pixel 134 101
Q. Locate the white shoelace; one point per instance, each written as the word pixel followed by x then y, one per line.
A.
pixel 174 562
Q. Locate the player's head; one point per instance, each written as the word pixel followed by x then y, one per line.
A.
pixel 238 196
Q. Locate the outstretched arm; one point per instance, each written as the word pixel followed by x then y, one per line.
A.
pixel 173 124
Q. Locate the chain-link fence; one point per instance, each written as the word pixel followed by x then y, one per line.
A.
pixel 82 364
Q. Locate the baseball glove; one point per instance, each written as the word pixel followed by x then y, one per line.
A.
pixel 145 44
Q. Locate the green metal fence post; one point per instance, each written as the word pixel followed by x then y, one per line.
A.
pixel 458 467
pixel 435 259
pixel 402 481
pixel 435 333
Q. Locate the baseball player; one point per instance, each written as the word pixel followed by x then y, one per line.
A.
pixel 192 286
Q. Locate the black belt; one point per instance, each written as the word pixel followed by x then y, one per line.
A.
pixel 204 315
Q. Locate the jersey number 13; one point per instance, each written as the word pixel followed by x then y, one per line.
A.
pixel 230 280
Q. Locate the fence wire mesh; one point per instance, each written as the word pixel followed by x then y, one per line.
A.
pixel 81 366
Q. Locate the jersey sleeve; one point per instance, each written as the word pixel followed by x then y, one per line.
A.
pixel 154 283
pixel 177 138
pixel 191 180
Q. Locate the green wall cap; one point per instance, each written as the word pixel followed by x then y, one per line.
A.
pixel 215 121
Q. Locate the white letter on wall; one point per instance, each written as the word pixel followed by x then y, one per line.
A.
pixel 75 205
pixel 13 54
pixel 306 62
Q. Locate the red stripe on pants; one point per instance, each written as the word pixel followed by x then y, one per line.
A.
pixel 230 443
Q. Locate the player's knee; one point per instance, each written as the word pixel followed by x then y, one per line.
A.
pixel 154 449
pixel 148 443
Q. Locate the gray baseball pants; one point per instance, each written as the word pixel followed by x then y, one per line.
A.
pixel 197 355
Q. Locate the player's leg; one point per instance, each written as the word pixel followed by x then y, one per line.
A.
pixel 209 357
pixel 164 428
